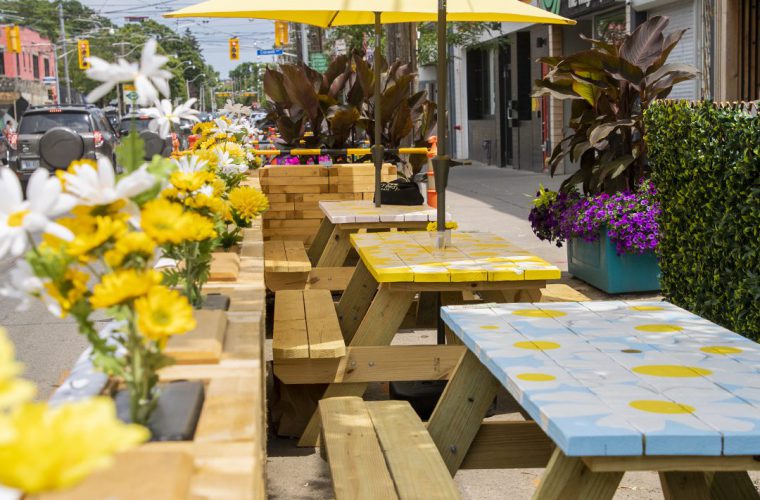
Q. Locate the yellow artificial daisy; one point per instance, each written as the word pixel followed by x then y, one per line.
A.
pixel 123 285
pixel 202 202
pixel 162 313
pixel 162 221
pixel 131 244
pixel 247 202
pixel 198 228
pixel 52 449
pixel 190 181
pixel 106 229
pixel 70 290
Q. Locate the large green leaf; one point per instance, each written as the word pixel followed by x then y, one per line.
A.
pixel 668 45
pixel 600 132
pixel 558 90
pixel 301 91
pixel 585 90
pixel 401 125
pixel 274 87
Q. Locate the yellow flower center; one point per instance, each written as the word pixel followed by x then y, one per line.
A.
pixel 664 407
pixel 674 371
pixel 17 218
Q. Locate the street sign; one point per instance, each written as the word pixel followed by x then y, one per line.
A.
pixel 223 94
pixel 49 80
pixel 269 52
pixel 131 95
pixel 318 62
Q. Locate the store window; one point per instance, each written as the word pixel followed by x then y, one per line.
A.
pixel 2 62
pixel 610 27
pixel 46 64
pixel 479 96
pixel 36 66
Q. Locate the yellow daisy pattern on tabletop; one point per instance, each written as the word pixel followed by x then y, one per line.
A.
pixel 621 378
pixel 410 256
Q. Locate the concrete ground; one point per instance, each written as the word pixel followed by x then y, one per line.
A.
pixel 480 198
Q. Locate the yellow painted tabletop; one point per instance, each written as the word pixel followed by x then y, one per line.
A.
pixel 410 256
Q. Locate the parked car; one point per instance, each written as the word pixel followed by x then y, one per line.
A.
pixel 154 143
pixel 53 136
pixel 113 116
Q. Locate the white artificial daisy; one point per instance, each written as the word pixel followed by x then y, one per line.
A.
pixel 19 218
pixel 227 165
pixel 222 127
pixel 94 187
pixel 149 77
pixel 164 115
pixel 23 285
pixel 235 109
pixel 190 164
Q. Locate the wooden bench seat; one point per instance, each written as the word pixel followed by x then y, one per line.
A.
pixel 306 326
pixel 381 449
pixel 287 267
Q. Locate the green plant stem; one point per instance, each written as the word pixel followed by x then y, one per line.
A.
pixel 139 381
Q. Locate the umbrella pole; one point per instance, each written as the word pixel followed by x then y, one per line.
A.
pixel 377 148
pixel 441 161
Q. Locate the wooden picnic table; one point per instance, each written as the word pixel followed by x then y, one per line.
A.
pixel 342 218
pixel 395 266
pixel 617 386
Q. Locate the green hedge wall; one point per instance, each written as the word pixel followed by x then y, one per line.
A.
pixel 705 161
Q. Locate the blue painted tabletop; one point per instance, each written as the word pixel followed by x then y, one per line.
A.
pixel 618 378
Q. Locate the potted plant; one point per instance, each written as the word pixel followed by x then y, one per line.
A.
pixel 610 85
pixel 612 239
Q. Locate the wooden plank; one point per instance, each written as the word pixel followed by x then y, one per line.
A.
pixel 374 364
pixel 684 485
pixel 225 266
pixel 672 463
pixel 458 415
pixel 325 339
pixel 281 206
pixel 135 474
pixel 471 286
pixel 294 181
pixel 298 261
pixel 204 343
pixel 356 460
pixel 290 338
pixel 299 189
pixel 310 436
pixel 330 278
pixel 275 258
pixel 336 249
pixel 297 171
pixel 286 281
pixel 356 300
pixel 413 460
pixel 731 486
pixel 567 478
pixel 509 445
pixel 310 224
pixel 558 292
pixel 226 414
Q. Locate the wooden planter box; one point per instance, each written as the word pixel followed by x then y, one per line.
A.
pixel 227 457
pixel 295 191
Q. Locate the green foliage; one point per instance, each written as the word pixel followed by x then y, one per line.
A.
pixel 458 35
pixel 129 154
pixel 611 86
pixel 705 162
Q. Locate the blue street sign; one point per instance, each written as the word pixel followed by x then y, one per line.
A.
pixel 269 52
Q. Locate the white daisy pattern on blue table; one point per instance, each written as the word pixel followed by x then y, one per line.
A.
pixel 621 378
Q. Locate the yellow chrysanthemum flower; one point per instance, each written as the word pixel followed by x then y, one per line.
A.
pixel 162 313
pixel 70 290
pixel 134 243
pixel 219 186
pixel 167 222
pixel 433 226
pixel 201 202
pixel 198 228
pixel 190 181
pixel 106 229
pixel 208 156
pixel 53 449
pixel 13 391
pixel 247 202
pixel 123 285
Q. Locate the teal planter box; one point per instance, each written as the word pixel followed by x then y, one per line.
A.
pixel 597 263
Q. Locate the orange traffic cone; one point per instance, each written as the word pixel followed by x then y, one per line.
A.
pixel 432 195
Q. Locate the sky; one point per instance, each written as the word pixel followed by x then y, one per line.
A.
pixel 213 34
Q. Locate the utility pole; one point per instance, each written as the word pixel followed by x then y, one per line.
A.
pixel 64 50
pixel 304 44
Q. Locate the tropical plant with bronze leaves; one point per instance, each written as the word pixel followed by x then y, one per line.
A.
pixel 611 86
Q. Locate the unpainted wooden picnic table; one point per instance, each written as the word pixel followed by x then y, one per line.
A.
pixel 616 386
pixel 395 266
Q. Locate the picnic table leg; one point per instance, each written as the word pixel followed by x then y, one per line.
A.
pixel 336 249
pixel 356 300
pixel 461 409
pixel 320 240
pixel 685 485
pixel 568 478
pixel 731 486
pixel 379 326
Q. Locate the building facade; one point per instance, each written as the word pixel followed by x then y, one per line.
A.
pixel 22 75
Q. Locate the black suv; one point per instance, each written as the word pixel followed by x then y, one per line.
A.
pixel 154 143
pixel 54 136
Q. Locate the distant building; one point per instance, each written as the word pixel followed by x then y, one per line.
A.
pixel 22 76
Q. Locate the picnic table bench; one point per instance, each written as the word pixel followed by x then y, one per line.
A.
pixel 616 386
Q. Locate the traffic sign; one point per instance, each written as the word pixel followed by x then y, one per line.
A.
pixel 131 95
pixel 269 52
pixel 49 80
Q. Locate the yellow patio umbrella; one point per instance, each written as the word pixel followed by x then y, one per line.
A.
pixel 329 13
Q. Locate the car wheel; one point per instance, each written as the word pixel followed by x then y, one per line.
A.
pixel 59 146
